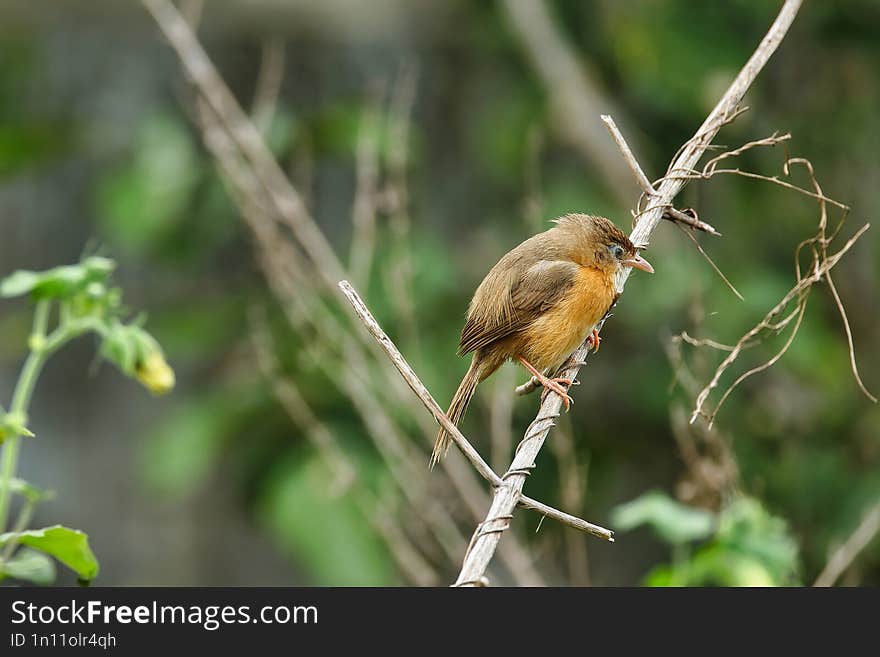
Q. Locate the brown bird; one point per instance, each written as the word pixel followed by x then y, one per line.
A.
pixel 538 304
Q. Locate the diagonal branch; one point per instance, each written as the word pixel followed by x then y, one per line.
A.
pixel 284 198
pixel 488 533
pixel 844 556
pixel 464 445
pixel 299 270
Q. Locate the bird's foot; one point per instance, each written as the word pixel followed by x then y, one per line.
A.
pixel 555 384
pixel 594 340
pixel 560 386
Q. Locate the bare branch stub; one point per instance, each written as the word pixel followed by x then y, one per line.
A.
pixel 483 544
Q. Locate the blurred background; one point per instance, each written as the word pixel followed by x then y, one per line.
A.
pixel 424 141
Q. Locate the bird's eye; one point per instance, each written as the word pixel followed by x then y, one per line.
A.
pixel 616 250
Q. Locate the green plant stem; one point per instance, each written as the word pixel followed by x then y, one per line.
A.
pixel 41 348
pixel 24 517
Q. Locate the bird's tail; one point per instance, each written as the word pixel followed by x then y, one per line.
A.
pixel 457 407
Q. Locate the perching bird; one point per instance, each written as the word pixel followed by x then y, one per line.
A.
pixel 538 304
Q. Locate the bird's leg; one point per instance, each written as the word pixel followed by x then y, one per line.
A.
pixel 594 340
pixel 555 384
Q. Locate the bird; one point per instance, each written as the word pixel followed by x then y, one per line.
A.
pixel 539 303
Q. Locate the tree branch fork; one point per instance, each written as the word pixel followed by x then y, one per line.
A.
pixel 508 489
pixel 495 523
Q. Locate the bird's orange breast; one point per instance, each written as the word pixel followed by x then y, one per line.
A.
pixel 559 331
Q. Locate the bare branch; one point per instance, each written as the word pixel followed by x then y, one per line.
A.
pixel 363 216
pixel 629 158
pixel 844 556
pixel 269 206
pixel 268 85
pixel 701 342
pixel 819 270
pixel 488 533
pixel 712 264
pixel 416 384
pixel 400 271
pixel 210 85
pixel 688 217
pixel 466 448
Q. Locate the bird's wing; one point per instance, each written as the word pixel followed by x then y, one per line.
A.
pixel 536 290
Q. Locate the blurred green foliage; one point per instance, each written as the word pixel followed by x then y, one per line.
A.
pixel 741 545
pixel 327 533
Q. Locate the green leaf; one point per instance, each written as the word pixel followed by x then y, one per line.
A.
pixel 674 522
pixel 18 283
pixel 29 565
pixel 13 425
pixel 28 491
pixel 69 546
pixel 60 282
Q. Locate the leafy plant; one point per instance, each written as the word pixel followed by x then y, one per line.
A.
pixel 742 544
pixel 83 301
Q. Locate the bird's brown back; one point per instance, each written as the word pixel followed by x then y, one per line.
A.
pixel 535 276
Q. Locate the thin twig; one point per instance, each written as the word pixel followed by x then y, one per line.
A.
pixel 363 215
pixel 268 85
pixel 689 218
pixel 628 156
pixel 844 556
pixel 819 270
pixel 400 271
pixel 712 264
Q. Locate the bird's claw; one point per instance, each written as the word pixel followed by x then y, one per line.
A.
pixel 594 340
pixel 556 385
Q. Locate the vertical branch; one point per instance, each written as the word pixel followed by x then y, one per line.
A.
pixel 488 533
pixel 363 239
pixel 399 276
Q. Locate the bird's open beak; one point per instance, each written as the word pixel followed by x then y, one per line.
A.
pixel 638 262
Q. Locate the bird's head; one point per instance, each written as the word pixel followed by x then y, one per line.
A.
pixel 597 242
